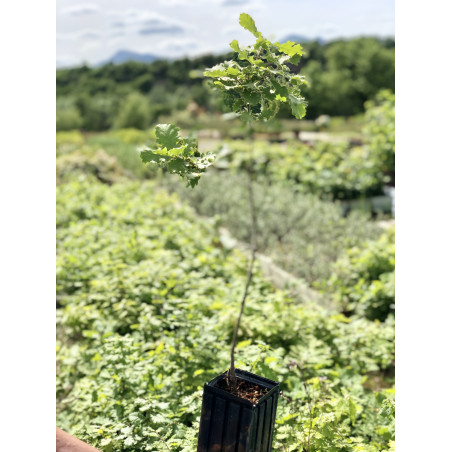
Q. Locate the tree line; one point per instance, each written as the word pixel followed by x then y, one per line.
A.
pixel 342 75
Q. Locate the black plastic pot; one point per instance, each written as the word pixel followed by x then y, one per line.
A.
pixel 232 424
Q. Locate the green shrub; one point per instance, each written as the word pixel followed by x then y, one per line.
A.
pixel 380 130
pixel 98 111
pixel 147 298
pixel 301 233
pixel 132 136
pixel 134 112
pixel 99 164
pixel 67 142
pixel 67 115
pixel 347 73
pixel 122 144
pixel 329 170
pixel 363 280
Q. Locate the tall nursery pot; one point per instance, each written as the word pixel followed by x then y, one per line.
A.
pixel 232 424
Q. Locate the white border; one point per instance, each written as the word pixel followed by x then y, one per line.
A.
pixel 27 235
pixel 423 226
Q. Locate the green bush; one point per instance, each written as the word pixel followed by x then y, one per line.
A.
pixel 98 111
pixel 301 233
pixel 346 74
pixel 363 280
pixel 98 164
pixel 147 299
pixel 134 112
pixel 132 136
pixel 67 115
pixel 380 130
pixel 67 142
pixel 122 144
pixel 329 170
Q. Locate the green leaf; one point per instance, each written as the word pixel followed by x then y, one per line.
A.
pixel 291 49
pixel 151 156
pixel 177 155
pixel 251 97
pixel 167 135
pixel 247 22
pixel 298 105
pixel 259 77
pixel 352 410
pixel 176 165
pixel 235 45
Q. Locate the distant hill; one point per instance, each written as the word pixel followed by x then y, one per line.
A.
pixel 122 56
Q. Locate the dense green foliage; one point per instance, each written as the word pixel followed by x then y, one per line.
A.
pixel 135 112
pixel 99 164
pixel 342 74
pixel 347 74
pixel 330 171
pixel 177 155
pixel 363 281
pixel 301 233
pixel 68 116
pixel 258 80
pixel 380 130
pixel 120 144
pixel 147 296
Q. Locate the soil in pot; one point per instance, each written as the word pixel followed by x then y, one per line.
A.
pixel 245 389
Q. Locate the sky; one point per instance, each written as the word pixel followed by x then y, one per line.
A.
pixel 92 31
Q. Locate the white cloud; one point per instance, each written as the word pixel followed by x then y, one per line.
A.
pixel 81 9
pixel 231 29
pixel 234 2
pixel 146 22
pixel 179 45
pixel 90 35
pixel 66 61
pixel 190 27
pixel 161 29
pixel 83 35
pixel 328 28
pixel 90 45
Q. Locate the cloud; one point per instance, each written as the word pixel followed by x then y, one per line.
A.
pixel 84 35
pixel 89 35
pixel 66 61
pixel 117 33
pixel 81 9
pixel 231 29
pixel 146 22
pixel 161 29
pixel 180 45
pixel 328 28
pixel 234 2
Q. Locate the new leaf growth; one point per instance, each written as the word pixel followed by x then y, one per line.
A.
pixel 258 80
pixel 177 155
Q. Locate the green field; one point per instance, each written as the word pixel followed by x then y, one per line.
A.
pixel 148 292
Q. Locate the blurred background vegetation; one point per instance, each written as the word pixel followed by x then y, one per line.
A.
pixel 343 75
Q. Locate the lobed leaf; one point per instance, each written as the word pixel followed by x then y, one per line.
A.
pixel 177 155
pixel 258 80
pixel 167 135
pixel 247 22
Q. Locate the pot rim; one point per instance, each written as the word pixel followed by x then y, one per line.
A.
pixel 247 376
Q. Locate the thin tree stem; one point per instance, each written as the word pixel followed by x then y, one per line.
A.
pixel 253 239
